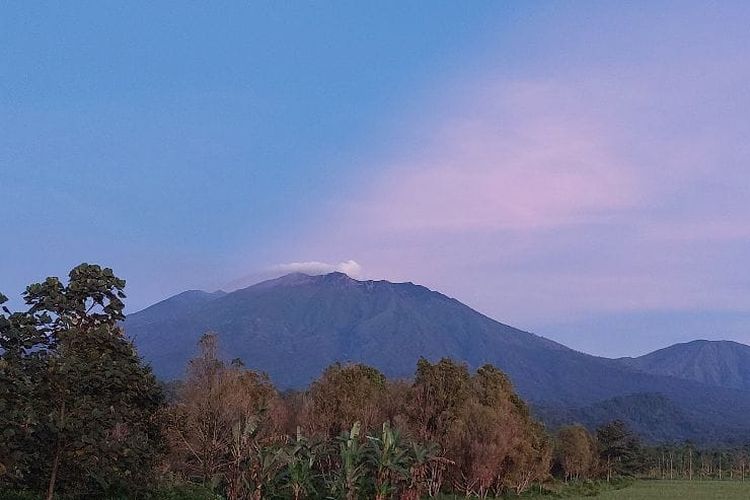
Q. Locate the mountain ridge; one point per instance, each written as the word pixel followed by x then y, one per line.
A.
pixel 719 363
pixel 294 326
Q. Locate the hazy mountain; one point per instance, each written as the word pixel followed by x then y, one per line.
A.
pixel 717 363
pixel 293 327
pixel 653 416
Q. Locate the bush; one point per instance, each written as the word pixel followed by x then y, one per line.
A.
pixel 18 495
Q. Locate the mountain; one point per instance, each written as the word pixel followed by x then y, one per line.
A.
pixel 294 326
pixel 655 417
pixel 716 363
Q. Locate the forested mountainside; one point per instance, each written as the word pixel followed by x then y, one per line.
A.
pixel 294 326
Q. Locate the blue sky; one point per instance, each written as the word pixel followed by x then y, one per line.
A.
pixel 578 169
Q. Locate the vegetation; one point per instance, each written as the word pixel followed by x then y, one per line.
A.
pixel 77 407
pixel 82 417
pixel 684 490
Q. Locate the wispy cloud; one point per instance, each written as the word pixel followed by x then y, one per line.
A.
pixel 514 160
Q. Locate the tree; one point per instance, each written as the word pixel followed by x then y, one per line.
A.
pixel 493 442
pixel 576 451
pixel 438 393
pixel 529 459
pixel 344 394
pixel 93 411
pixel 222 427
pixel 619 449
pixel 23 401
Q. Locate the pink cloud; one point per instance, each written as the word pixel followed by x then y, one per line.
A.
pixel 549 200
pixel 520 164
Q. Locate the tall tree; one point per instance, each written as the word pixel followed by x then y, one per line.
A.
pixel 23 397
pixel 576 451
pixel 222 426
pixel 619 449
pixel 345 394
pixel 93 416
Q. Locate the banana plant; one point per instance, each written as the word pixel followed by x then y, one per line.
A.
pixel 253 464
pixel 348 481
pixel 299 473
pixel 244 432
pixel 389 460
pixel 264 471
pixel 421 457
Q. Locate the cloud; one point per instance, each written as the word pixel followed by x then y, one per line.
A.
pixel 547 200
pixel 515 159
pixel 349 267
pixel 597 185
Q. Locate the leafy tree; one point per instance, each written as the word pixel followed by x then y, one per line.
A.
pixel 576 451
pixel 89 424
pixel 345 394
pixel 619 449
pixel 488 440
pixel 23 369
pixel 221 428
pixel 438 394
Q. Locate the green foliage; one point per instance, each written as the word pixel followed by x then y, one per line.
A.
pixel 299 477
pixel 440 390
pixel 83 407
pixel 389 460
pixel 348 479
pixel 619 449
pixel 345 394
pixel 18 495
pixel 575 452
pixel 183 492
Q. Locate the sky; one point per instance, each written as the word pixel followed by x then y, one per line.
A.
pixel 579 169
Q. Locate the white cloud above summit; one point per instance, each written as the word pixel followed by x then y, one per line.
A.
pixel 348 267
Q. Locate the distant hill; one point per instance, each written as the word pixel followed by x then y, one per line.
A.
pixel 653 416
pixel 294 326
pixel 715 363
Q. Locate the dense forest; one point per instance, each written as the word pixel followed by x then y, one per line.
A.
pixel 81 416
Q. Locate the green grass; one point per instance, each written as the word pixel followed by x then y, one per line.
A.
pixel 681 490
pixel 638 490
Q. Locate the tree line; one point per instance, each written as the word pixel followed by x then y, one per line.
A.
pixel 81 416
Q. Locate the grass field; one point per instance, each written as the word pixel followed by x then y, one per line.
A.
pixel 682 490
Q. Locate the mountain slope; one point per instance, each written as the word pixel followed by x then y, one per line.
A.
pixel 294 326
pixel 715 363
pixel 653 416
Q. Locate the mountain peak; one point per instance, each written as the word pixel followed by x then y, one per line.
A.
pixel 298 279
pixel 720 363
pixel 338 278
pixel 293 326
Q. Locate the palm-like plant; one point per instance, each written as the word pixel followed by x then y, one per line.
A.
pixel 264 470
pixel 254 462
pixel 348 480
pixel 299 474
pixel 244 432
pixel 389 460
